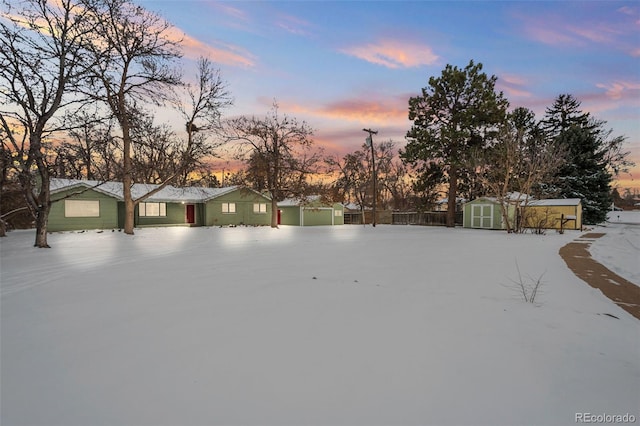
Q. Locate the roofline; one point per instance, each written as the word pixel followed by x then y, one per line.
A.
pixel 84 183
pixel 231 189
pixel 96 185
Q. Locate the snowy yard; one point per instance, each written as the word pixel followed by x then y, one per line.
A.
pixel 349 325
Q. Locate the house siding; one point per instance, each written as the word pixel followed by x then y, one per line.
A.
pixel 484 214
pixel 108 218
pixel 289 215
pixel 313 214
pixel 244 215
pixel 176 215
pixel 549 216
pixel 317 216
pixel 338 220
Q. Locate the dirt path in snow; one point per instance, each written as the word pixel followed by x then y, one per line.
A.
pixel 621 291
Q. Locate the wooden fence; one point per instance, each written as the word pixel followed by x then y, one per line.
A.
pixel 400 218
pixel 424 218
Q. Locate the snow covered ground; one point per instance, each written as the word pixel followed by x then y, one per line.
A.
pixel 349 325
pixel 619 249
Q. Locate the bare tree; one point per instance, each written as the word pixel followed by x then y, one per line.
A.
pixel 41 62
pixel 281 146
pixel 396 182
pixel 95 149
pixel 207 98
pixel 156 150
pixel 134 54
pixel 355 176
pixel 519 159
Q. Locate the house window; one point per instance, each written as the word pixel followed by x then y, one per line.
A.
pixel 337 213
pixel 259 207
pixel 152 209
pixel 81 208
pixel 228 208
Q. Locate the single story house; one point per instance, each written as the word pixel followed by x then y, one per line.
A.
pixel 311 211
pixel 556 213
pixel 83 204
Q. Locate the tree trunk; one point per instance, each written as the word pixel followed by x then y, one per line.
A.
pixel 274 212
pixel 504 207
pixel 42 208
pixel 129 205
pixel 42 216
pixel 451 202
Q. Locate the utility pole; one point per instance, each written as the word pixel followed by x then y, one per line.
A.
pixel 373 170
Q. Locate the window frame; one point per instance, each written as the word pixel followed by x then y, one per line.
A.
pixel 81 208
pixel 260 208
pixel 143 209
pixel 228 208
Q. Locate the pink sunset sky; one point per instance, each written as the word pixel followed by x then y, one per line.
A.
pixel 345 65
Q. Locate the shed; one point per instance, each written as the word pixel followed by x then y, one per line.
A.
pixel 311 211
pixel 554 213
pixel 485 213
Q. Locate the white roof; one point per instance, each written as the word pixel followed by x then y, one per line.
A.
pixel 288 202
pixel 555 202
pixel 168 194
pixel 511 196
pixel 354 206
pixel 446 200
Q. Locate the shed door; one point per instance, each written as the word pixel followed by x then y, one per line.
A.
pixel 191 213
pixel 482 216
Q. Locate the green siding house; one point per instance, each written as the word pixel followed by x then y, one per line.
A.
pixel 100 205
pixel 310 212
pixel 240 206
pixel 80 206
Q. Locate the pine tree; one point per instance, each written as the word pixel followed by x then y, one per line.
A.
pixel 451 118
pixel 564 114
pixel 585 173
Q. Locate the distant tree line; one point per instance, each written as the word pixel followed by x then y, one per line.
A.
pixel 79 80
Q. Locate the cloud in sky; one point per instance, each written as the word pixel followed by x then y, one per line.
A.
pixel 513 86
pixel 620 90
pixel 557 30
pixel 221 53
pixel 394 53
pixel 231 11
pixel 366 110
pixel 370 109
pixel 293 25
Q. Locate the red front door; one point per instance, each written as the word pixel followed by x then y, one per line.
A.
pixel 191 213
pixel 279 216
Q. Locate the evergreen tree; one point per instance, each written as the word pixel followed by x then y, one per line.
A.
pixel 564 114
pixel 451 118
pixel 585 173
